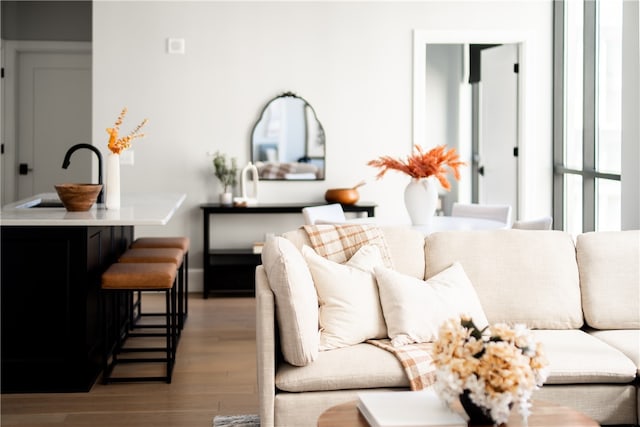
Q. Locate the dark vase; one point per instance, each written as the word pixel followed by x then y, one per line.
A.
pixel 477 415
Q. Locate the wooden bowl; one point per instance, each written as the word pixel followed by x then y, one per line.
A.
pixel 346 196
pixel 78 197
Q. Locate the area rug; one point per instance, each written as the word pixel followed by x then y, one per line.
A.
pixel 236 421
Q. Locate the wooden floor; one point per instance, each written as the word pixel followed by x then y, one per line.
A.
pixel 215 373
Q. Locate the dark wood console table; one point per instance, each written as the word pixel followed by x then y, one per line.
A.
pixel 231 271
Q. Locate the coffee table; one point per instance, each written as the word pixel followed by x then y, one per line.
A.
pixel 543 414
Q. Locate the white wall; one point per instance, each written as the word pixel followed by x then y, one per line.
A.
pixel 351 60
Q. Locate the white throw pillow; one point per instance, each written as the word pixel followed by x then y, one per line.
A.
pixel 350 311
pixel 296 300
pixel 414 309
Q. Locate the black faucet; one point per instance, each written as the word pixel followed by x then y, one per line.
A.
pixel 67 161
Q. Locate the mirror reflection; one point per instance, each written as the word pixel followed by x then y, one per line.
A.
pixel 288 141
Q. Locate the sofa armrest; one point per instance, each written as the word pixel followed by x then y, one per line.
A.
pixel 265 347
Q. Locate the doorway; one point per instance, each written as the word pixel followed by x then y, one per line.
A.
pixel 46 109
pixel 475 137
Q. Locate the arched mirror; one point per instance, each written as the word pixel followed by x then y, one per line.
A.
pixel 288 141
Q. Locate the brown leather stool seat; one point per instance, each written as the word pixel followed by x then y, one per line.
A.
pixel 162 242
pixel 154 255
pixel 179 242
pixel 124 278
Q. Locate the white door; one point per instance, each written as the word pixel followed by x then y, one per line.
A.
pixel 53 102
pixel 498 164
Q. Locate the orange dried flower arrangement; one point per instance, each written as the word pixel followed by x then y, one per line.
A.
pixel 116 145
pixel 423 164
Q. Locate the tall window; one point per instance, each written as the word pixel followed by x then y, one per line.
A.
pixel 587 115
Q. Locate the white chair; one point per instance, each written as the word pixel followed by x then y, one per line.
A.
pixel 542 223
pixel 324 214
pixel 331 214
pixel 501 213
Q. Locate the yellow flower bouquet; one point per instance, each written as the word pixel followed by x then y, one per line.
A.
pixel 494 368
pixel 117 144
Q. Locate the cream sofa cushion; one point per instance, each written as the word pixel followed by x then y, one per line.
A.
pixel 296 300
pixel 406 247
pixel 520 276
pixel 625 340
pixel 575 357
pixel 414 309
pixel 298 237
pixel 358 366
pixel 350 311
pixel 610 278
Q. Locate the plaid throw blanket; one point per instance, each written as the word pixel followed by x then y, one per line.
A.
pixel 275 170
pixel 415 359
pixel 338 242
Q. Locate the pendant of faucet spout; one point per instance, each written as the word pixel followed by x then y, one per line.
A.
pixel 67 161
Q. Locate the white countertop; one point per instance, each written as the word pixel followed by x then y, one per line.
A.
pixel 135 209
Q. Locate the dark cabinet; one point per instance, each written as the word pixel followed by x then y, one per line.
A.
pixel 232 271
pixel 50 279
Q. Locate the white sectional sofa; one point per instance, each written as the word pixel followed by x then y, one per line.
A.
pixel 581 298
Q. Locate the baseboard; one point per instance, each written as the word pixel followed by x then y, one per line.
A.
pixel 196 280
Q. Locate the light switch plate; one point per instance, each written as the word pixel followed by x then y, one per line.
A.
pixel 175 46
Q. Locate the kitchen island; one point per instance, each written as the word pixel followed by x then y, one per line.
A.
pixel 51 263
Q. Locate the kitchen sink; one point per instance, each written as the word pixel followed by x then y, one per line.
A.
pixel 41 203
pixel 48 204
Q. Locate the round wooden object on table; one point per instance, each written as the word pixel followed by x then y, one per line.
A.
pixel 346 196
pixel 78 197
pixel 543 414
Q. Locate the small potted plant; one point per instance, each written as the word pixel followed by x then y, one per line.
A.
pixel 227 173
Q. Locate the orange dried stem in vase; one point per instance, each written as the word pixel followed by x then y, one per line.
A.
pixel 423 164
pixel 115 144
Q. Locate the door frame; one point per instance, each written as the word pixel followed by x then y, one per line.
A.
pixel 464 36
pixel 10 51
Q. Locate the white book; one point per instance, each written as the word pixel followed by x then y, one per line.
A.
pixel 407 409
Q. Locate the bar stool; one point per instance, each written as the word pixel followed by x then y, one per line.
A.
pixel 124 278
pixel 179 242
pixel 153 255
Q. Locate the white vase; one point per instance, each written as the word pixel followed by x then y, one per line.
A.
pixel 226 199
pixel 112 192
pixel 421 200
pixel 249 175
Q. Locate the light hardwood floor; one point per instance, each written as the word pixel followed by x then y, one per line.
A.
pixel 215 373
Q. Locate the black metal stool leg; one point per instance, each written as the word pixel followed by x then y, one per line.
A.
pixel 186 283
pixel 119 283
